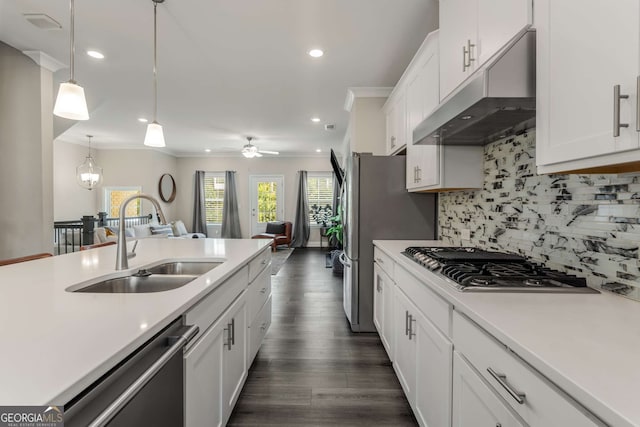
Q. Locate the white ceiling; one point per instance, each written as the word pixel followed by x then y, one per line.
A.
pixel 226 68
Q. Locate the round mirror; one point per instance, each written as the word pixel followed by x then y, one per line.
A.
pixel 167 188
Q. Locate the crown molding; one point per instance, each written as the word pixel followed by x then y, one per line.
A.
pixel 44 60
pixel 365 92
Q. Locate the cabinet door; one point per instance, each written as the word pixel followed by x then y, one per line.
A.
pixel 474 404
pixel 382 300
pixel 388 325
pixel 203 379
pixel 234 353
pixel 498 22
pixel 434 370
pixel 378 311
pixel 405 352
pixel 400 121
pixel 576 76
pixel 391 129
pixel 458 28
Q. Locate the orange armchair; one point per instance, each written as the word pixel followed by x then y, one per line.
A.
pixel 279 232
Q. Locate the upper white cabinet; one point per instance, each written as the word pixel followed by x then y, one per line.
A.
pixel 583 122
pixel 471 31
pixel 396 118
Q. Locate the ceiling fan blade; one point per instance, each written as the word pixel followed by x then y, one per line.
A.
pixel 257 154
pixel 268 152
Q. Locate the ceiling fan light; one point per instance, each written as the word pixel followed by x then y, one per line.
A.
pixel 154 136
pixel 71 103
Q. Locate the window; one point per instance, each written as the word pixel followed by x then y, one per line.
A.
pixel 214 196
pixel 113 198
pixel 320 197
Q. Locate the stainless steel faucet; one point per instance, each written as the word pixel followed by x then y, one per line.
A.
pixel 122 261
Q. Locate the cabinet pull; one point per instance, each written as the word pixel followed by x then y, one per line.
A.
pixel 228 331
pixel 638 104
pixel 419 171
pixel 263 290
pixel 393 141
pixel 264 261
pixel 406 322
pixel 411 332
pixel 233 331
pixel 616 111
pixel 380 260
pixel 466 55
pixel 264 326
pixel 502 380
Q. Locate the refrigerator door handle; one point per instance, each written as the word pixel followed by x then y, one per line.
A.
pixel 343 259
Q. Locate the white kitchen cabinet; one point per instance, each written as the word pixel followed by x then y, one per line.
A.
pixel 396 119
pixel 474 403
pixel 383 308
pixel 422 363
pixel 471 31
pixel 234 358
pixel 529 394
pixel 216 368
pixel 576 77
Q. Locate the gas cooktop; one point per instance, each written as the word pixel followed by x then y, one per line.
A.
pixel 477 270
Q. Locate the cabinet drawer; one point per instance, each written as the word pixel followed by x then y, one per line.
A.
pixel 384 261
pixel 540 403
pixel 434 308
pixel 213 305
pixel 258 329
pixel 259 291
pixel 257 264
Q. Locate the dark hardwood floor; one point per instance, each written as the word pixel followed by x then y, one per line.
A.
pixel 311 369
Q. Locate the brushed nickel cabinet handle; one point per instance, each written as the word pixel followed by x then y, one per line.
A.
pixel 464 59
pixel 638 104
pixel 411 332
pixel 393 141
pixel 233 331
pixel 502 380
pixel 469 47
pixel 379 260
pixel 263 290
pixel 406 322
pixel 228 331
pixel 616 111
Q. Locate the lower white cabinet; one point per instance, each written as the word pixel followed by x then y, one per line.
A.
pixel 474 403
pixel 529 394
pixel 216 368
pixel 423 364
pixel 383 308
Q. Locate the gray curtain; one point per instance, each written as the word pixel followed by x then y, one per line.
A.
pixel 230 214
pixel 301 226
pixel 199 210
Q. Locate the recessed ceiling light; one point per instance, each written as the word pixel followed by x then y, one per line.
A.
pixel 318 150
pixel 142 120
pixel 207 150
pixel 316 53
pixel 95 54
pixel 315 119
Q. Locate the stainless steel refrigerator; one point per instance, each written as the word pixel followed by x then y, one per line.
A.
pixel 377 206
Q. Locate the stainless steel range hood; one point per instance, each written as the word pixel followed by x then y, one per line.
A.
pixel 498 100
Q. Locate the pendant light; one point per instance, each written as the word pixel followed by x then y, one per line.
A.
pixel 70 102
pixel 155 136
pixel 89 174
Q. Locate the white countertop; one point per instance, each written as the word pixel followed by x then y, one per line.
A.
pixel 55 343
pixel 587 344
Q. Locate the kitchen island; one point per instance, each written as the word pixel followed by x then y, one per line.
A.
pixel 574 350
pixel 56 343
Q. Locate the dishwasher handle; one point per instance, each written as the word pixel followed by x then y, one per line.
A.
pixel 121 401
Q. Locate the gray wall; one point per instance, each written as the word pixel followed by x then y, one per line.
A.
pixel 587 225
pixel 26 165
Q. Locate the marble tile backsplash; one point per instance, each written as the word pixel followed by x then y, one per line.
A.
pixel 588 225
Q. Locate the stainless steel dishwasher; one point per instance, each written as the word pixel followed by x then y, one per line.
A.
pixel 145 389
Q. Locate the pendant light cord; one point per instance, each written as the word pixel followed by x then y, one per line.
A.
pixel 155 60
pixel 71 41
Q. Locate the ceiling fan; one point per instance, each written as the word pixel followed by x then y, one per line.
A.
pixel 250 150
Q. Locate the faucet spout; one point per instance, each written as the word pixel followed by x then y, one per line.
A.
pixel 122 262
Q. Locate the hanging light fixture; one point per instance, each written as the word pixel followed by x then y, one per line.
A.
pixel 70 102
pixel 155 136
pixel 89 174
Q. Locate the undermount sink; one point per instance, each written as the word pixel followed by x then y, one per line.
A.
pixel 159 278
pixel 139 284
pixel 183 267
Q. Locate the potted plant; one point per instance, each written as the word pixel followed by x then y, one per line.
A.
pixel 335 236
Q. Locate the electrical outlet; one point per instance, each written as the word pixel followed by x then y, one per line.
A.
pixel 465 234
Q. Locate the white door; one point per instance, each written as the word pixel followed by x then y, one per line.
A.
pixel 577 75
pixel 474 404
pixel 267 201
